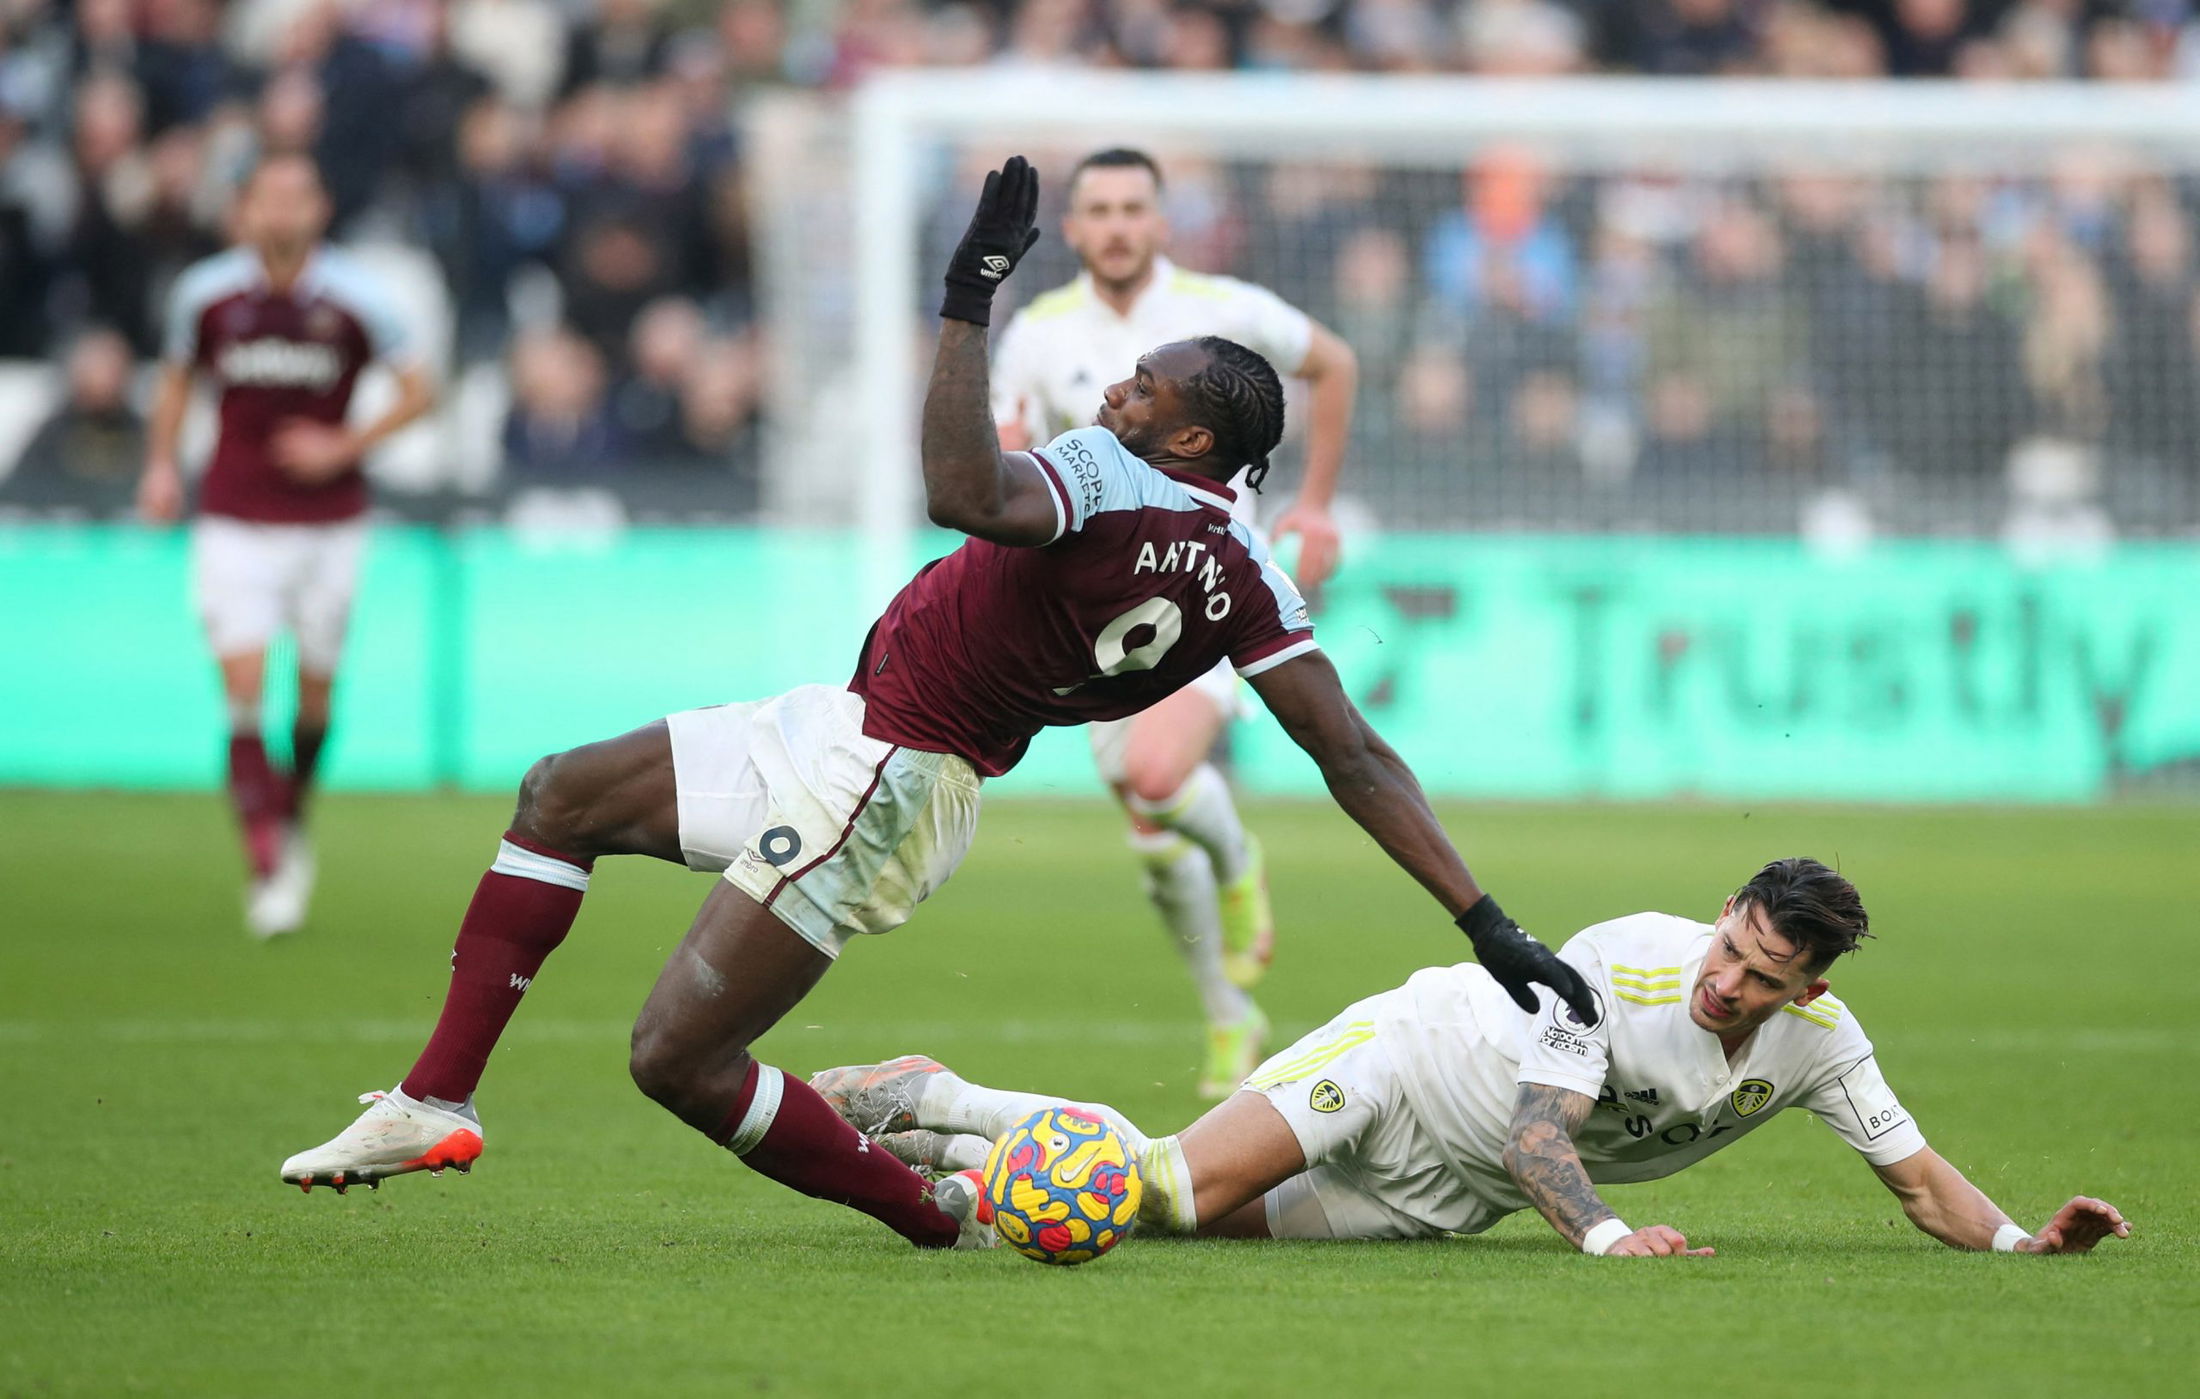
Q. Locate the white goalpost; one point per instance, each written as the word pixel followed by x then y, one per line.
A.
pixel 2013 151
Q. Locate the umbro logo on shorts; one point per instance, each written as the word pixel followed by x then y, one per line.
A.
pixel 1326 1097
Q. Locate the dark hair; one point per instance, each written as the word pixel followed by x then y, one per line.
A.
pixel 1809 905
pixel 1238 398
pixel 1116 158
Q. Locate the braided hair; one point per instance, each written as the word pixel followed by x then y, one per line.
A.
pixel 1238 398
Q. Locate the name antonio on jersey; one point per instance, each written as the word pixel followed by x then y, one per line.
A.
pixel 1189 556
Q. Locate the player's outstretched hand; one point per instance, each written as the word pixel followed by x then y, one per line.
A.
pixel 2078 1226
pixel 160 493
pixel 1519 962
pixel 1319 542
pixel 311 452
pixel 1000 233
pixel 1656 1241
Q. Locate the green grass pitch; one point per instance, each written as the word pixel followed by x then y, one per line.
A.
pixel 2031 994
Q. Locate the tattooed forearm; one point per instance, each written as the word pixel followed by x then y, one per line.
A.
pixel 1543 1162
pixel 961 453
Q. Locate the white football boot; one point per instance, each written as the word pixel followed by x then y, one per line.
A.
pixel 396 1134
pixel 936 1154
pixel 880 1099
pixel 962 1195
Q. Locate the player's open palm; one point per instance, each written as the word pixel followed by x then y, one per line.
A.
pixel 160 494
pixel 1656 1241
pixel 312 452
pixel 2078 1226
pixel 1319 542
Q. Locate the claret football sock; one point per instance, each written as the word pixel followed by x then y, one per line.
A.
pixel 257 795
pixel 783 1130
pixel 1180 880
pixel 1204 812
pixel 306 742
pixel 522 909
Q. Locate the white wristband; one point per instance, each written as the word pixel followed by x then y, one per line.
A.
pixel 1610 1232
pixel 2008 1236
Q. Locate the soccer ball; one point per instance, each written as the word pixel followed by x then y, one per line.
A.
pixel 1063 1185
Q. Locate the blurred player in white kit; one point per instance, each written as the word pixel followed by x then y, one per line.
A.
pixel 283 325
pixel 1203 870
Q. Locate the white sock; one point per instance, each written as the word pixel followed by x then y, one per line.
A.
pixel 1181 882
pixel 465 1109
pixel 952 1104
pixel 1167 1202
pixel 1203 811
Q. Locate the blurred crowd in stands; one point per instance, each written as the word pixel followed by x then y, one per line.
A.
pixel 574 169
pixel 1686 352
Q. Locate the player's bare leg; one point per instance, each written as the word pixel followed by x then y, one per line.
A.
pixel 1234 1155
pixel 1203 872
pixel 616 797
pixel 738 970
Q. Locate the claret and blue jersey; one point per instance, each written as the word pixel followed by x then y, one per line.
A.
pixel 1147 583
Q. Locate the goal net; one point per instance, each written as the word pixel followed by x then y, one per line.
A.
pixel 1585 305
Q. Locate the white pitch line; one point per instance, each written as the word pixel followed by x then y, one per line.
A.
pixel 909 1033
pixel 915 1035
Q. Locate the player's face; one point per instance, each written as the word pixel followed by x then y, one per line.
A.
pixel 1749 973
pixel 1145 411
pixel 284 209
pixel 1114 222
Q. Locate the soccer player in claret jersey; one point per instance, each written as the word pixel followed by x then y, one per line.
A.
pixel 1203 870
pixel 1441 1107
pixel 1102 572
pixel 283 326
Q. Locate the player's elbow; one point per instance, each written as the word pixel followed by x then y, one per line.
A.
pixel 948 513
pixel 1514 1157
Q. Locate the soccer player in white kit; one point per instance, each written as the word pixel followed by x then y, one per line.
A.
pixel 284 327
pixel 1441 1107
pixel 1203 870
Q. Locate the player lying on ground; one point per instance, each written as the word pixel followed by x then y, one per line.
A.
pixel 1203 870
pixel 1441 1108
pixel 1102 573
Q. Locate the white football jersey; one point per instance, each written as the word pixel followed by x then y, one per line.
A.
pixel 1666 1094
pixel 1061 352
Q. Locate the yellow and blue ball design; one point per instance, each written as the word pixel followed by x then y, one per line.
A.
pixel 1063 1185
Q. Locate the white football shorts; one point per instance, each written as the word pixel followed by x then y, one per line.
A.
pixel 1111 738
pixel 1372 1172
pixel 836 832
pixel 254 580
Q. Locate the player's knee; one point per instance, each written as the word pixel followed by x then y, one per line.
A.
pixel 660 1067
pixel 550 808
pixel 1152 781
pixel 672 1074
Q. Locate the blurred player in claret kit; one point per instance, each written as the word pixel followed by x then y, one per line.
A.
pixel 282 325
pixel 1103 572
pixel 1441 1107
pixel 1203 870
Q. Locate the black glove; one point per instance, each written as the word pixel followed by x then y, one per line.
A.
pixel 1517 960
pixel 1000 233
